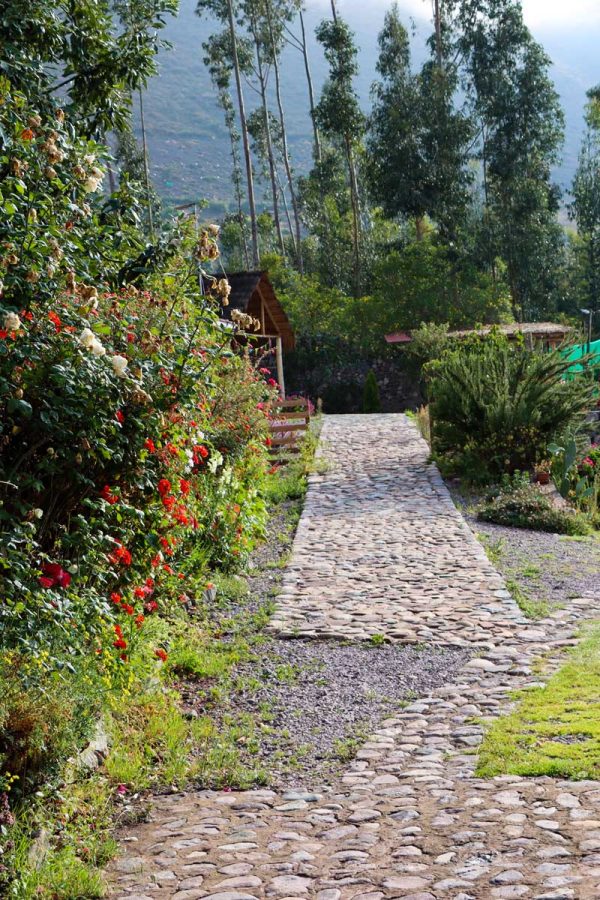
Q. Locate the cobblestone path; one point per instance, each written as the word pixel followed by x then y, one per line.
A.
pixel 381 549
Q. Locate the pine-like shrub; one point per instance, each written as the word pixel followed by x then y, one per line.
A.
pixel 496 406
pixel 371 402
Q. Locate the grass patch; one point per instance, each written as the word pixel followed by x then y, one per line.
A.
pixel 554 730
pixel 73 843
pixel 529 606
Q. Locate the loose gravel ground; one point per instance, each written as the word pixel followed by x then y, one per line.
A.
pixel 549 568
pixel 324 698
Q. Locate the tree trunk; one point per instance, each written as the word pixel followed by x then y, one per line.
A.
pixel 245 141
pixel 286 155
pixel 146 168
pixel 237 176
pixel 438 32
pixel 311 92
pixel 355 201
pixel 269 139
pixel 420 228
pixel 286 208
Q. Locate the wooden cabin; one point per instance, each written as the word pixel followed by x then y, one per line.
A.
pixel 252 294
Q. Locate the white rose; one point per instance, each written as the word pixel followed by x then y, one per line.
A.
pixel 38 513
pixel 87 338
pixel 97 348
pixel 119 364
pixel 12 322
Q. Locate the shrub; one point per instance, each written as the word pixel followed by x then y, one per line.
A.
pixel 496 406
pixel 133 442
pixel 42 725
pixel 371 402
pixel 527 507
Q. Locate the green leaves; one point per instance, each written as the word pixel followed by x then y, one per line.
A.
pixel 495 407
pixel 22 407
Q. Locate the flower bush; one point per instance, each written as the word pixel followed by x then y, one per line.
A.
pixel 132 441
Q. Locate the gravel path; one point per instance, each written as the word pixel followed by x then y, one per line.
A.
pixel 382 550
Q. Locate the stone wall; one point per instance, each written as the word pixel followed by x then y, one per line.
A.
pixel 340 385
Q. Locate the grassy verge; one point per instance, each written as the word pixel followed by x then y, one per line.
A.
pixel 554 730
pixel 177 730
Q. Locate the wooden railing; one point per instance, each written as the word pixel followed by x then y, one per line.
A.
pixel 290 421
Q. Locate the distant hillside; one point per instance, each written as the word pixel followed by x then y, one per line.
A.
pixel 188 144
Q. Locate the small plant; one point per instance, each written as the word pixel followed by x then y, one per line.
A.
pixel 371 401
pixel 377 640
pixel 496 406
pixel 543 472
pixel 527 507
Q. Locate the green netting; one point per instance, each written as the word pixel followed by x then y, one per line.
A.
pixel 579 352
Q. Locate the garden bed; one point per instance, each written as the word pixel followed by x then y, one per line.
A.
pixel 542 570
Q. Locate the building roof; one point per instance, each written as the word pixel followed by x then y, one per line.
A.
pixel 252 293
pixel 398 337
pixel 536 329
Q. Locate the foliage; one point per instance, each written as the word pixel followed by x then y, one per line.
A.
pixel 418 140
pixel 553 730
pixel 426 282
pixel 527 507
pixel 95 73
pixel 371 402
pixel 495 407
pixel 133 441
pixel 514 100
pixel 339 117
pixel 575 474
pixel 585 207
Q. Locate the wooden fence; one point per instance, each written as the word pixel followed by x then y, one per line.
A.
pixel 290 421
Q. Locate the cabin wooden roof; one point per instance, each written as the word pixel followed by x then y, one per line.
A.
pixel 252 293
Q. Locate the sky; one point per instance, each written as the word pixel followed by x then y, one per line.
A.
pixel 539 14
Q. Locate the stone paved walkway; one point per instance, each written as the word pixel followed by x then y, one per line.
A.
pixel 382 550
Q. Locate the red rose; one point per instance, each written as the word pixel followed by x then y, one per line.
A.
pixel 119 417
pixel 150 445
pixel 54 576
pixel 184 486
pixel 164 486
pixel 161 654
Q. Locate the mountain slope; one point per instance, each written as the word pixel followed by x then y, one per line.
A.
pixel 188 143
